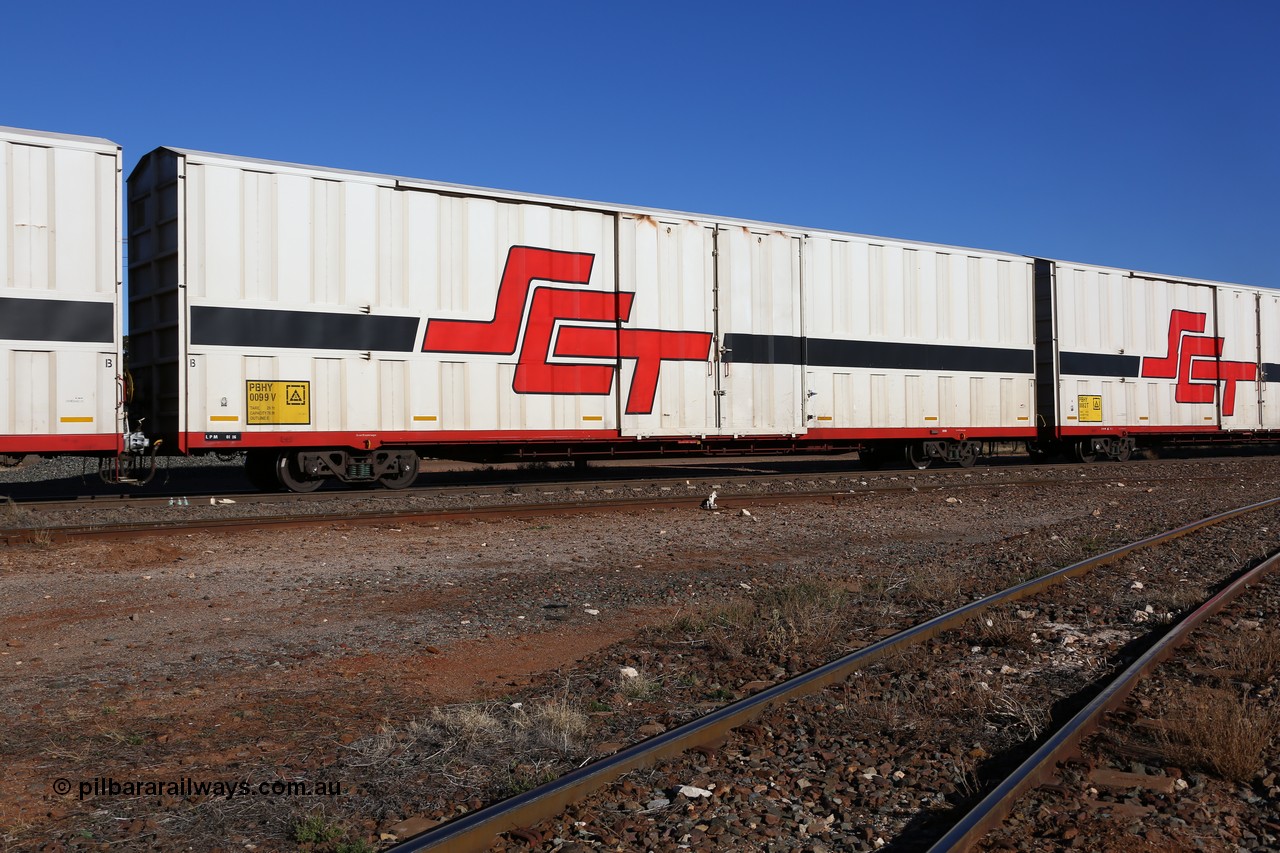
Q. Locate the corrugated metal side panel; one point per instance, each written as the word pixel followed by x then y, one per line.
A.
pixel 758 292
pixel 670 267
pixel 1239 390
pixel 1115 330
pixel 942 307
pixel 342 254
pixel 60 272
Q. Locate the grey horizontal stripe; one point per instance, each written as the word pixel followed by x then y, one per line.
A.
pixel 880 355
pixel 57 320
pixel 264 328
pixel 1098 364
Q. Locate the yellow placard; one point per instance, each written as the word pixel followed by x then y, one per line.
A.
pixel 1090 408
pixel 277 402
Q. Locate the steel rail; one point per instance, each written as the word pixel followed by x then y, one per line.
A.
pixel 475 831
pixel 1041 766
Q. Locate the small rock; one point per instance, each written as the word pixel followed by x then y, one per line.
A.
pixel 629 672
pixel 692 792
pixel 658 803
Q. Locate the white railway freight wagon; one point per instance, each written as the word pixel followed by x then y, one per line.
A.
pixel 341 324
pixel 1129 358
pixel 60 327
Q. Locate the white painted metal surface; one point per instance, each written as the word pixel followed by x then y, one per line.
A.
pixel 926 317
pixel 1184 354
pixel 60 244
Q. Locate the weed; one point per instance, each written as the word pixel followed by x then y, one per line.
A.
pixel 1220 731
pixel 999 630
pixel 1254 658
pixel 558 726
pixel 937 584
pixel 12 515
pixel 314 829
pixel 519 778
pixel 807 614
pixel 1009 714
pixel 640 686
pixel 357 846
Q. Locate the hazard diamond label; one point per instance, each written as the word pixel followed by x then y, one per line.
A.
pixel 269 402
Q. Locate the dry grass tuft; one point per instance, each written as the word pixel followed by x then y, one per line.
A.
pixel 1254 657
pixel 1220 731
pixel 641 686
pixel 12 515
pixel 1000 630
pixel 807 615
pixel 491 747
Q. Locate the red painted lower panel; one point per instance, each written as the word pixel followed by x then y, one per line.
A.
pixel 1208 429
pixel 88 443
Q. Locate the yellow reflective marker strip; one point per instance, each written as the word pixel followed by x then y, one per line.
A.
pixel 77 420
pixel 593 417
pixel 424 417
pixel 224 417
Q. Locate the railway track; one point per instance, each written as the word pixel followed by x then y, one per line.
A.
pixel 55 520
pixel 477 830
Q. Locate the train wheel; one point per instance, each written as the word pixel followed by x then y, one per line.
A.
pixel 1083 451
pixel 405 475
pixel 292 477
pixel 1125 452
pixel 917 457
pixel 260 470
pixel 968 454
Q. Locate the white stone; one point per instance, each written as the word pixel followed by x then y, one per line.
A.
pixel 629 672
pixel 693 793
pixel 1136 585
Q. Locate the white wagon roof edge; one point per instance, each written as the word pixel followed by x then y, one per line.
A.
pixel 22 134
pixel 561 201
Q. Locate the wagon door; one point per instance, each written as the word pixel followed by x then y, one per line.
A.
pixel 758 312
pixel 666 283
pixel 1237 363
pixel 1269 352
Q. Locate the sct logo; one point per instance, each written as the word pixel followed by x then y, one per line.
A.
pixel 553 327
pixel 1194 359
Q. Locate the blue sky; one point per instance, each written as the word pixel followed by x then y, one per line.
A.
pixel 1137 134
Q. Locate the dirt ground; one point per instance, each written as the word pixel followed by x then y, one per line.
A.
pixel 139 671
